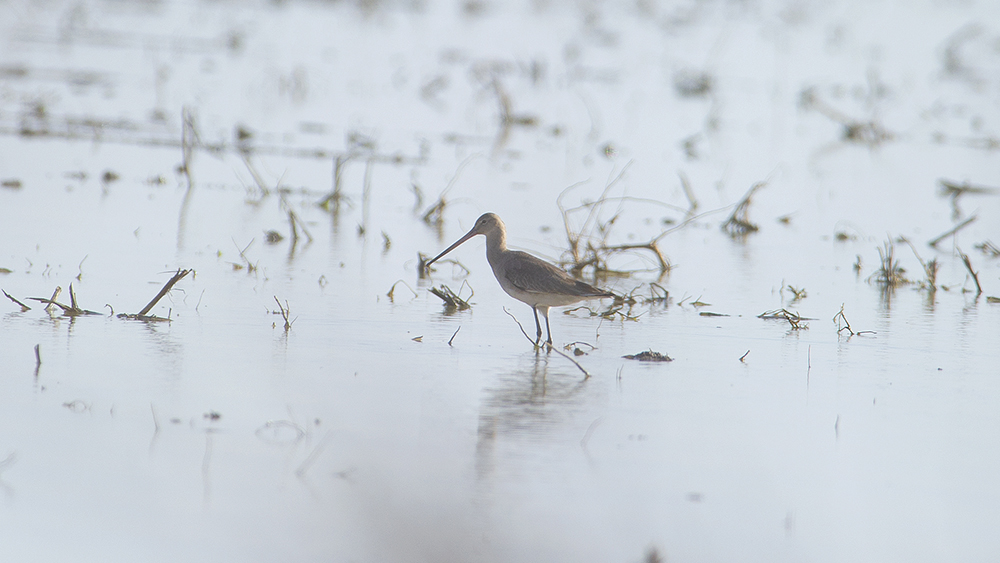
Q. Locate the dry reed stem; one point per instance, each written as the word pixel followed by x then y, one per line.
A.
pixel 739 225
pixel 71 310
pixel 930 267
pixel 975 275
pixel 23 306
pixel 164 290
pixel 933 243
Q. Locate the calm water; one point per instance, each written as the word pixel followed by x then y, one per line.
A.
pixel 361 434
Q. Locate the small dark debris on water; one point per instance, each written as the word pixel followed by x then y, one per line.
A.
pixel 649 356
pixel 212 415
pixel 11 183
pixel 273 237
pixel 711 314
pixel 693 84
pixel 992 299
pixel 6 271
pixel 109 176
pixel 577 351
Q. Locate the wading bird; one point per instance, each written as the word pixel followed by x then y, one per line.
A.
pixel 524 277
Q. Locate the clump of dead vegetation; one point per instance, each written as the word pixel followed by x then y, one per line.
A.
pixel 452 300
pixel 649 356
pixel 74 309
pixel 889 274
pixel 590 246
pixel 844 325
pixel 794 319
pixel 738 225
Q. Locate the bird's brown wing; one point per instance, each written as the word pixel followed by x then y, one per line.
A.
pixel 534 275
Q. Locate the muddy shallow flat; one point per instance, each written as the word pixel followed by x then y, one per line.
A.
pixel 136 140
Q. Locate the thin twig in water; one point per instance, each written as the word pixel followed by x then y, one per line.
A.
pixel 454 335
pixel 934 242
pixel 23 306
pixel 546 345
pixel 142 315
pixel 164 290
pixel 843 324
pixel 930 267
pixel 392 290
pixel 285 311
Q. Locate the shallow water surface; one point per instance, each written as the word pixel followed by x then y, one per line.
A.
pixel 139 139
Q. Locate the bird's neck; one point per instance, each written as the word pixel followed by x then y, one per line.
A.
pixel 496 244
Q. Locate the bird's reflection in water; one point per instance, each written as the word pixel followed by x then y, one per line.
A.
pixel 530 406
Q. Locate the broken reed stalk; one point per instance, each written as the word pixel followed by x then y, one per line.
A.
pixel 70 310
pixel 954 189
pixel 738 224
pixel 451 299
pixel 838 318
pixel 968 266
pixel 930 267
pixel 933 243
pixel 285 311
pixel 189 141
pixel 52 300
pixel 163 291
pixel 841 318
pixel 336 195
pixel 688 193
pixel 23 306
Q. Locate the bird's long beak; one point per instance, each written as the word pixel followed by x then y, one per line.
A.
pixel 467 236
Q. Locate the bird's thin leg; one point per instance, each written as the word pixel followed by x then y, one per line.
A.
pixel 538 325
pixel 548 330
